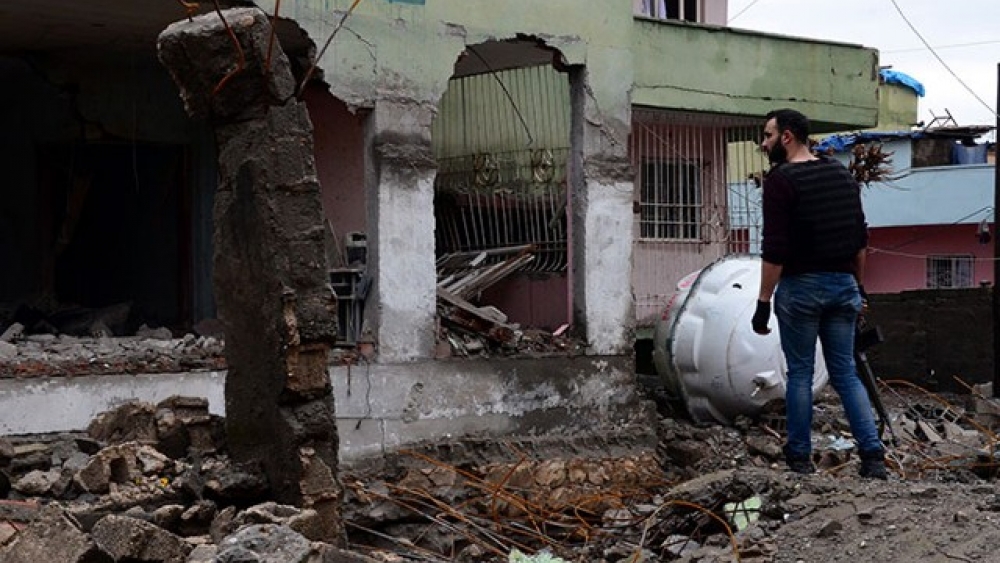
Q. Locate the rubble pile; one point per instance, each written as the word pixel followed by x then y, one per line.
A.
pixel 154 483
pixel 150 351
pixel 146 483
pixel 710 494
pixel 46 339
pixel 467 329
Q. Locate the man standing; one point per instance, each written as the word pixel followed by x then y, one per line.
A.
pixel 814 244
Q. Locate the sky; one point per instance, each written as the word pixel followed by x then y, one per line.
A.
pixel 964 33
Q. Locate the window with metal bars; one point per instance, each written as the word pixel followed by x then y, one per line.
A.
pixel 670 201
pixel 950 272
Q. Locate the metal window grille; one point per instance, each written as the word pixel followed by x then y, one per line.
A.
pixel 950 272
pixel 697 197
pixel 502 155
pixel 670 205
pixel 698 178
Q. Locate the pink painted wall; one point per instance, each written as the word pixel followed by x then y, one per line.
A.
pixel 534 300
pixel 657 265
pixel 897 259
pixel 339 137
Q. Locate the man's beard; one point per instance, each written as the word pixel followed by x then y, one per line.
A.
pixel 778 154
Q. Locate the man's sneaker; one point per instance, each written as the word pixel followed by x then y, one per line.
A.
pixel 802 465
pixel 873 466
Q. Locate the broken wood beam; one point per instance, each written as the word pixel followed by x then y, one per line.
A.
pixel 475 319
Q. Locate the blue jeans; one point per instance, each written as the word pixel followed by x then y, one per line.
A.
pixel 823 305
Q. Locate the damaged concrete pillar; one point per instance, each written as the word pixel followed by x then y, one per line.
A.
pixel 602 187
pixel 271 276
pixel 402 247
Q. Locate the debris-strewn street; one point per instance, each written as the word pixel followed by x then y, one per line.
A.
pixel 154 483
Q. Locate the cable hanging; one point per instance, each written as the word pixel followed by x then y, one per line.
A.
pixel 940 60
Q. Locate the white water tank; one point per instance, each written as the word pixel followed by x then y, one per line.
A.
pixel 707 352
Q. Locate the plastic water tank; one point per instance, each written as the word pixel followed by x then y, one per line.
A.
pixel 708 354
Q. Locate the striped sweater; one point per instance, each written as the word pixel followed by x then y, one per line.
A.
pixel 813 221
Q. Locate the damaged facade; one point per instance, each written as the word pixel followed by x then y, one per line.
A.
pixel 520 179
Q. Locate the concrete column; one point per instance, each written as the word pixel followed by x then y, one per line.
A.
pixel 400 176
pixel 601 183
pixel 271 275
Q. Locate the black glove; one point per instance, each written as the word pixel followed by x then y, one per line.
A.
pixel 760 317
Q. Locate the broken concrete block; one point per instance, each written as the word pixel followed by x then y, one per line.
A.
pixel 309 524
pixel 7 452
pixel 13 333
pixel 95 477
pixel 168 517
pixel 964 436
pixel 203 554
pixel 235 483
pixel 184 424
pixel 267 543
pixel 53 536
pixel 131 421
pixel 223 524
pixel 37 482
pixel 131 539
pixel 206 437
pixel 308 375
pixel 197 519
pixel 151 461
pixel 8 351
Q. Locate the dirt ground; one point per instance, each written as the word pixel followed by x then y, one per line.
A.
pixel 941 503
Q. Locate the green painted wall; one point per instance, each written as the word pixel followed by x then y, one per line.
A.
pixel 407 51
pixel 392 49
pixel 897 108
pixel 710 69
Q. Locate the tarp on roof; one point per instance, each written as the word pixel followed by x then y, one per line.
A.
pixel 844 141
pixel 895 77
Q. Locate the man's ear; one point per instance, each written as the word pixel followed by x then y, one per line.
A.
pixel 786 137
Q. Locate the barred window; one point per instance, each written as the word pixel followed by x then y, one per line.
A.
pixel 950 272
pixel 687 10
pixel 670 201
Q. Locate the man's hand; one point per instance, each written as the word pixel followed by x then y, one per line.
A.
pixel 864 299
pixel 760 317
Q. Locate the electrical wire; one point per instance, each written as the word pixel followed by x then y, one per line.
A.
pixel 940 60
pixel 940 47
pixel 743 11
pixel 955 222
pixel 875 250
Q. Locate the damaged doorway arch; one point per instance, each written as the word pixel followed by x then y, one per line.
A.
pixel 502 141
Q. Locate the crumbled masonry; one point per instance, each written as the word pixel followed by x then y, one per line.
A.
pixel 155 483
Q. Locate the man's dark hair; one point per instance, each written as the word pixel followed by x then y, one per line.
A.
pixel 791 120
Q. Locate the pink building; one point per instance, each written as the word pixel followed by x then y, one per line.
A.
pixel 928 257
pixel 931 225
